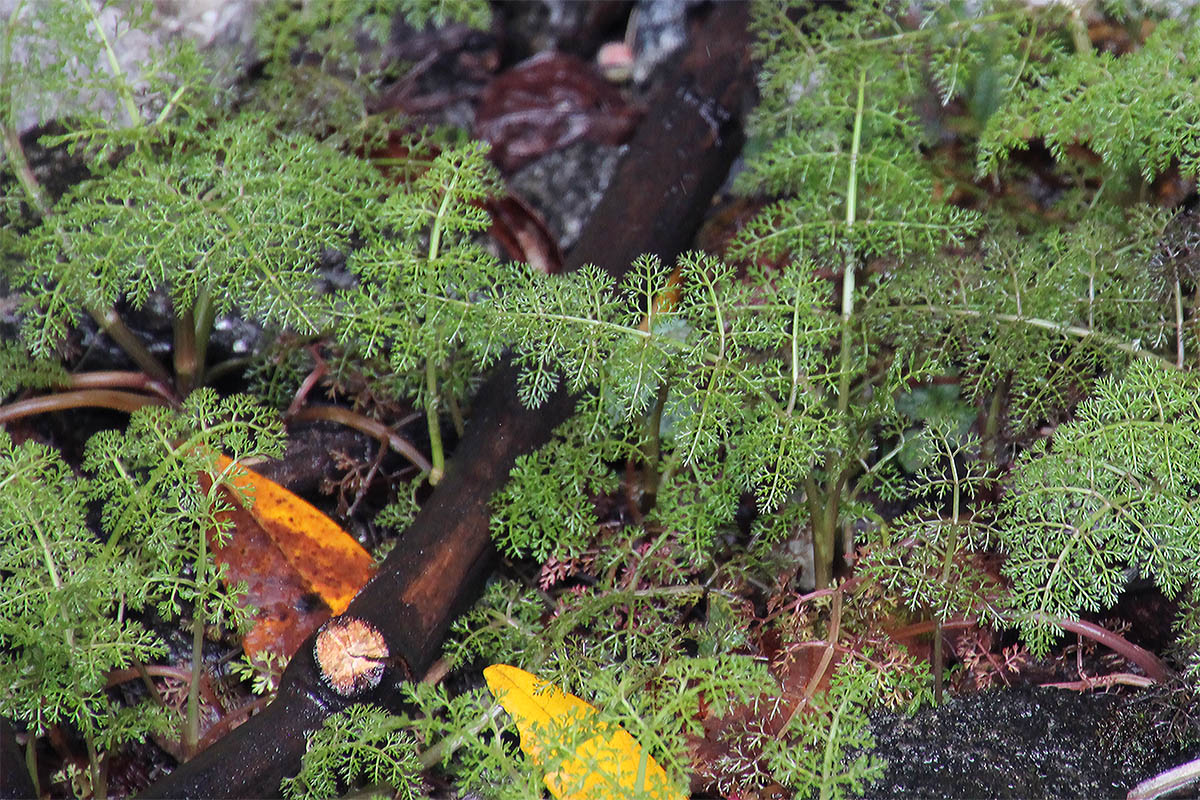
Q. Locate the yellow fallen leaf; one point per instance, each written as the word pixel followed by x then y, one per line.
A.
pixel 330 561
pixel 607 764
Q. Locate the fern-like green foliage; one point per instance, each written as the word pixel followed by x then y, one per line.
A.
pixel 802 385
pixel 68 597
pixel 724 377
pixel 638 673
pixel 64 611
pixel 339 34
pixel 832 759
pixel 19 371
pixel 922 557
pixel 559 524
pixel 59 59
pixel 235 220
pixel 146 477
pixel 356 746
pixel 1111 491
pixel 1036 317
pixel 1137 111
pixel 842 137
pixel 419 279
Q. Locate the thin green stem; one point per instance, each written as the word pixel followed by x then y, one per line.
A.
pixel 191 724
pixel 436 449
pixel 991 424
pixel 119 332
pixel 1079 34
pixel 815 499
pixel 13 150
pixel 791 403
pixel 947 564
pixel 191 729
pixel 848 276
pixel 827 503
pixel 204 313
pixel 829 760
pixel 1178 325
pixel 185 352
pixel 96 766
pixel 31 764
pixel 19 164
pixel 446 747
pixel 456 414
pixel 124 89
pixel 1045 324
pixel 432 400
pixel 653 452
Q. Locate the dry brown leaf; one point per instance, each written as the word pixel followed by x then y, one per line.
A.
pixel 300 567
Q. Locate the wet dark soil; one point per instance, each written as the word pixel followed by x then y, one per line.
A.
pixel 1023 742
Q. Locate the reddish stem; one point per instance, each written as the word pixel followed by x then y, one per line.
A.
pixel 1103 681
pixel 120 379
pixel 1151 664
pixel 93 398
pixel 182 674
pixel 368 426
pixel 320 368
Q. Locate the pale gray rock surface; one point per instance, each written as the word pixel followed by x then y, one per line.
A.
pixel 222 29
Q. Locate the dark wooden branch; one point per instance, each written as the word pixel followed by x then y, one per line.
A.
pixel 678 159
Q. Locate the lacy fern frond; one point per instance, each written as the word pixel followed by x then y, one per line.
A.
pixel 359 746
pixel 1139 111
pixel 1038 316
pixel 19 371
pixel 537 515
pixel 420 281
pixel 63 609
pixel 235 220
pixel 637 676
pixel 924 556
pixel 1112 491
pixel 61 59
pixel 146 476
pixel 833 758
pixel 843 140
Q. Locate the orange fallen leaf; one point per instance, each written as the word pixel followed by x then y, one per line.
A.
pixel 288 551
pixel 607 764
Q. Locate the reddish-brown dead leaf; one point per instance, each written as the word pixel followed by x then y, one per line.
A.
pixel 547 102
pixel 299 566
pixel 523 234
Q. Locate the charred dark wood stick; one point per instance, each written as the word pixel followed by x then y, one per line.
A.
pixel 678 159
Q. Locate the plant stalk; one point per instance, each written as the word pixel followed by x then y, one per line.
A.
pixel 185 352
pixel 117 330
pixel 86 398
pixel 204 313
pixel 436 449
pixel 371 427
pixel 31 764
pixel 1178 325
pixel 19 164
pixel 99 778
pixel 827 504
